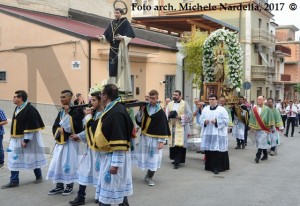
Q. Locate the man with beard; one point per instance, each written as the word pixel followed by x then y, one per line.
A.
pixel 88 171
pixel 179 115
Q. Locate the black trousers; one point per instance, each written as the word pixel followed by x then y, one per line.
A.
pixel 246 133
pixel 61 185
pixel 81 192
pixel 289 121
pixel 259 151
pixel 283 117
pixel 240 142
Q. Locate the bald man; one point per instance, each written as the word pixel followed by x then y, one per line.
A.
pixel 261 121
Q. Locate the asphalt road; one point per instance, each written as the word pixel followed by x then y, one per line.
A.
pixel 274 182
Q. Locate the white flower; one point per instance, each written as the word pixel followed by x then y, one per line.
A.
pixel 237 89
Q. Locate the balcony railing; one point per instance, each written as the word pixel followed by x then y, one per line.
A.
pixel 285 77
pixel 281 50
pixel 262 72
pixel 262 36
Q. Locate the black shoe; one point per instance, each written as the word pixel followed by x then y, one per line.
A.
pixel 173 162
pixel 216 171
pixel 38 180
pixel 96 201
pixel 237 147
pixel 56 191
pixel 245 144
pixel 257 160
pixel 10 185
pixel 286 135
pixel 292 135
pixel 77 201
pixel 176 165
pixel 67 191
pixel 198 151
pixel 264 158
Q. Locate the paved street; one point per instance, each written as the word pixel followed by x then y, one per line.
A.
pixel 273 182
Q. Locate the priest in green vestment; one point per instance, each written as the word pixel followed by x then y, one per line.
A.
pixel 261 121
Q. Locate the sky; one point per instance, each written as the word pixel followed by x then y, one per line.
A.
pixel 287 16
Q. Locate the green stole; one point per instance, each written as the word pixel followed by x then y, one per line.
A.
pixel 230 124
pixel 266 116
pixel 277 118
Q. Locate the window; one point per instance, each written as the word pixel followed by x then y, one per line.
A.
pixel 132 82
pixel 259 59
pixel 267 26
pixel 169 86
pixel 259 91
pixel 259 23
pixel 2 76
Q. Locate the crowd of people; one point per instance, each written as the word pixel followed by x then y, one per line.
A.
pixel 109 130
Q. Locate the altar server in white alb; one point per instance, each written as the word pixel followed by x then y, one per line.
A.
pixel 214 122
pixel 89 165
pixel 64 163
pixel 155 128
pixel 26 148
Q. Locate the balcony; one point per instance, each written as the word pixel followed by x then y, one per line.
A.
pixel 261 72
pixel 263 37
pixel 282 51
pixel 285 77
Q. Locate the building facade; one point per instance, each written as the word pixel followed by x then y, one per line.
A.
pixel 285 36
pixel 57 53
pixel 262 67
pixel 58 7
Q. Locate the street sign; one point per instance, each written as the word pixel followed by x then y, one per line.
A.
pixel 247 85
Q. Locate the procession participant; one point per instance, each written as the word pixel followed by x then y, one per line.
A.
pixel 291 111
pixel 3 121
pixel 179 115
pixel 274 135
pixel 88 171
pixel 155 128
pixel 222 103
pixel 214 122
pixel 119 33
pixel 240 120
pixel 62 169
pixel 112 135
pixel 261 120
pixel 26 147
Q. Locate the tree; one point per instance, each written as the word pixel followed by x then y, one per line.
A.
pixel 192 49
pixel 297 87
